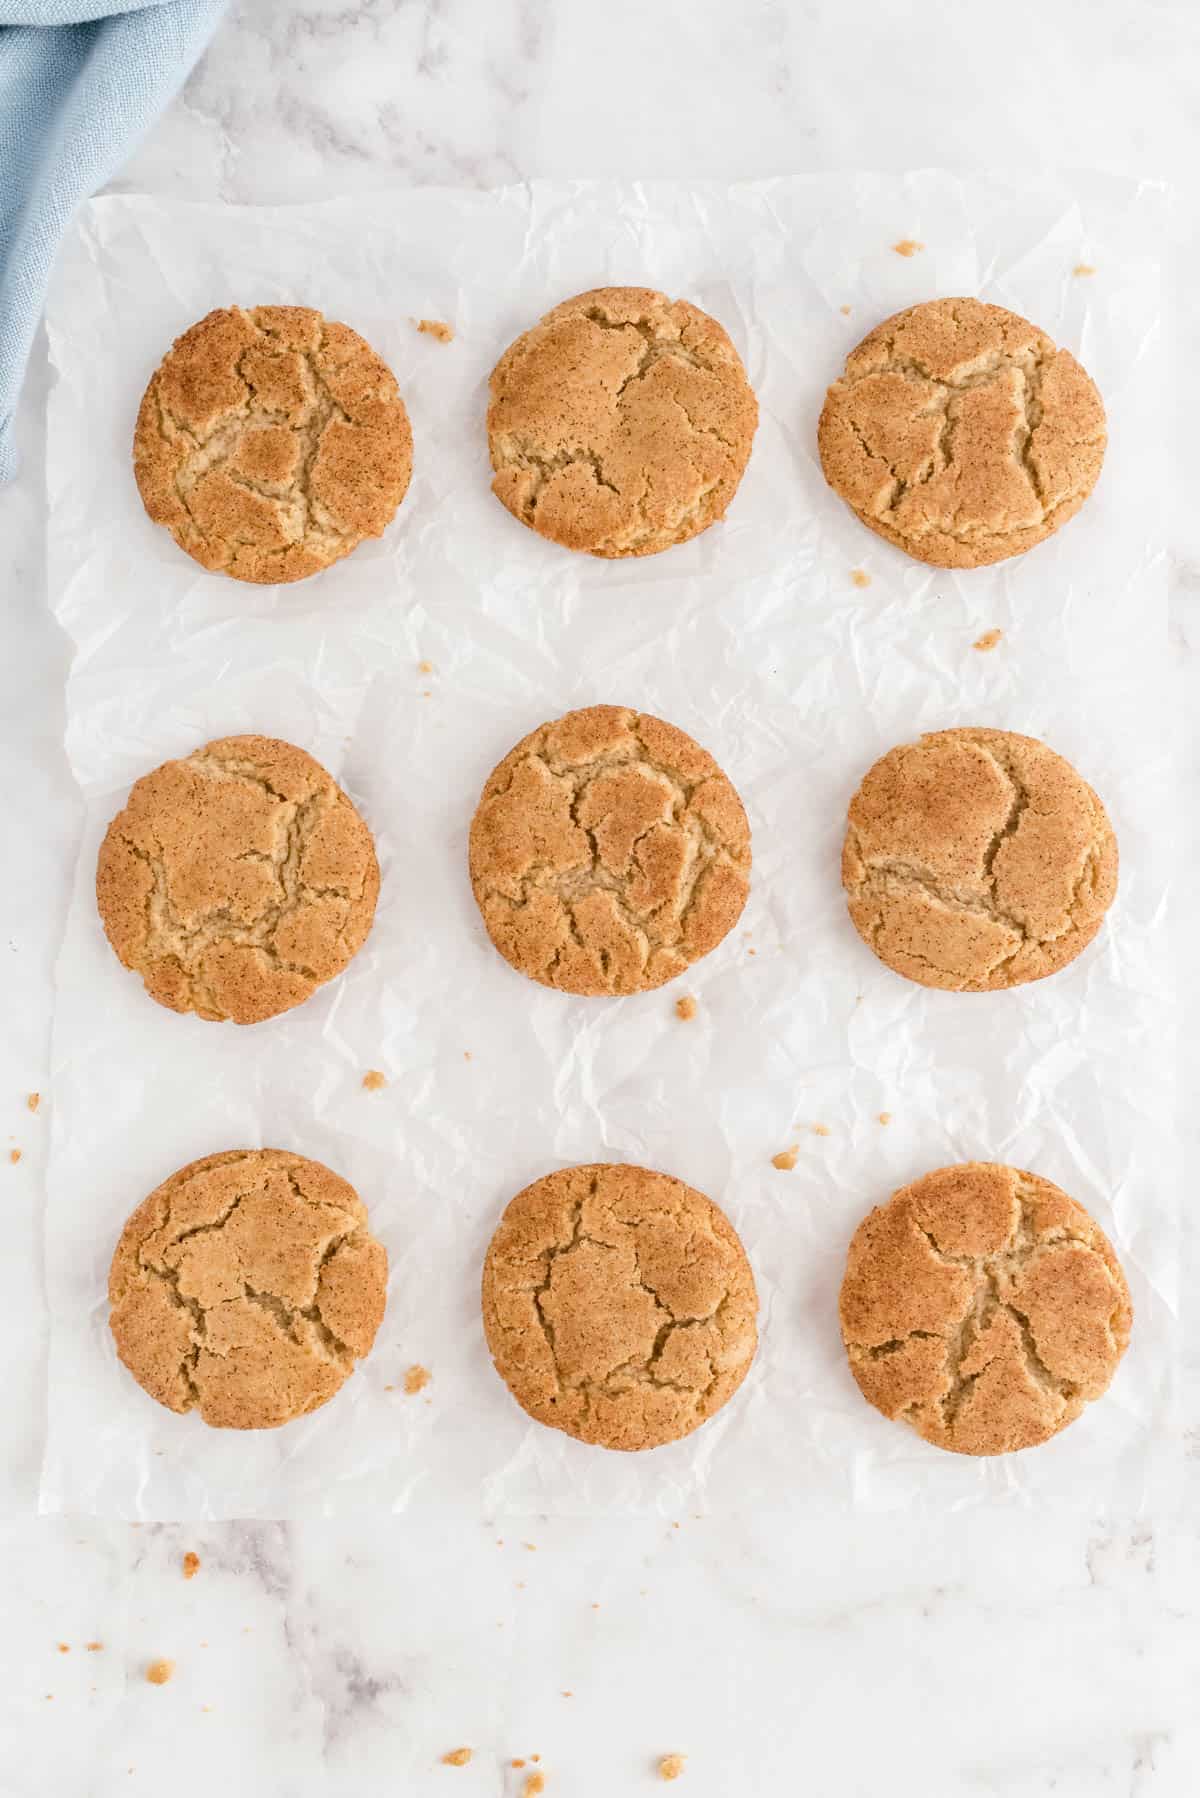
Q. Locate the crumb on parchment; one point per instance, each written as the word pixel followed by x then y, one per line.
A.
pixel 436 327
pixel 424 667
pixel 908 246
pixel 685 1008
pixel 671 1766
pixel 372 1080
pixel 845 311
pixel 417 1378
pixel 33 1101
pixel 191 1564
pixel 988 640
pixel 785 1161
pixel 93 1647
pixel 1083 268
pixel 159 1672
pixel 821 1130
pixel 859 577
pixel 64 1648
pixel 457 1757
pixel 534 1784
pixel 14 1155
pixel 885 1117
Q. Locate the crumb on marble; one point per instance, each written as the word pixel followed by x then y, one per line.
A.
pixel 885 1117
pixel 685 1008
pixel 859 577
pixel 821 1130
pixel 33 1101
pixel 671 1766
pixel 516 1763
pixel 534 1783
pixel 93 1647
pixel 988 640
pixel 372 1080
pixel 457 1757
pixel 424 667
pixel 14 1155
pixel 786 1159
pixel 417 1378
pixel 436 327
pixel 1084 268
pixel 191 1564
pixel 908 246
pixel 159 1672
pixel 845 311
pixel 64 1648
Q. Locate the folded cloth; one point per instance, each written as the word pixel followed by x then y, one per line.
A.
pixel 80 81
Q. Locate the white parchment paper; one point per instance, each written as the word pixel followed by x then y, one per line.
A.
pixel 754 639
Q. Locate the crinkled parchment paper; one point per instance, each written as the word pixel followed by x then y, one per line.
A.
pixel 755 639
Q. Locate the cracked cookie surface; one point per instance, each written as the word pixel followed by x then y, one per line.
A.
pixel 983 1307
pixel 237 880
pixel 961 434
pixel 621 424
pixel 270 442
pixel 608 853
pixel 618 1305
pixel 976 860
pixel 246 1287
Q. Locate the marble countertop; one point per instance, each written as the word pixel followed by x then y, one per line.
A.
pixel 993 1651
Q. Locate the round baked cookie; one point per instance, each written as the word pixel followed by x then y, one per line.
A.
pixel 621 423
pixel 618 1305
pixel 961 434
pixel 984 1307
pixel 237 880
pixel 271 441
pixel 976 860
pixel 608 853
pixel 246 1287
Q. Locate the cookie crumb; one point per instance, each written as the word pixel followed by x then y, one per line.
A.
pixel 436 327
pixel 531 1546
pixel 885 1117
pixel 845 311
pixel 1083 268
pixel 821 1130
pixel 33 1101
pixel 372 1080
pixel 685 1008
pixel 908 246
pixel 159 1672
pixel 64 1648
pixel 93 1647
pixel 14 1155
pixel 191 1564
pixel 859 577
pixel 516 1763
pixel 424 667
pixel 988 640
pixel 534 1783
pixel 457 1757
pixel 786 1159
pixel 417 1378
pixel 671 1766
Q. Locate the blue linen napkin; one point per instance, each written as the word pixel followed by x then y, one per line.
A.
pixel 80 82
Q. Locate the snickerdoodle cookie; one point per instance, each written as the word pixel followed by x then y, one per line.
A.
pixel 271 441
pixel 608 853
pixel 976 860
pixel 984 1307
pixel 621 423
pixel 961 434
pixel 237 880
pixel 618 1305
pixel 246 1287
